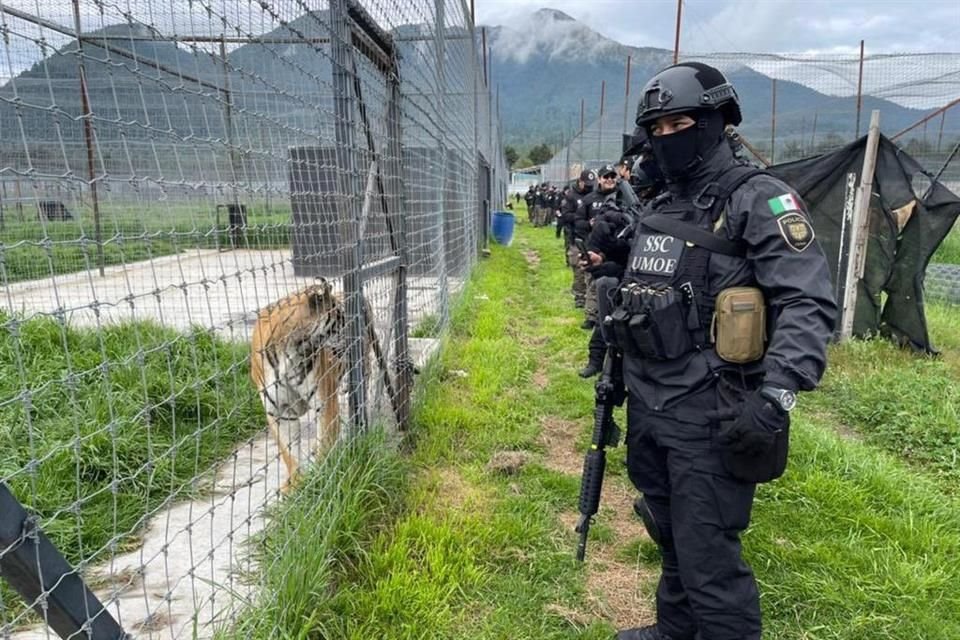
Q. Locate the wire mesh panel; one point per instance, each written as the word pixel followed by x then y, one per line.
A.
pixel 798 105
pixel 228 233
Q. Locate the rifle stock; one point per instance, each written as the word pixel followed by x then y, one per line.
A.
pixel 609 393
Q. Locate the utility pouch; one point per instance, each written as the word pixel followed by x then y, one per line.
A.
pixel 643 337
pixel 619 321
pixel 668 318
pixel 739 327
pixel 657 322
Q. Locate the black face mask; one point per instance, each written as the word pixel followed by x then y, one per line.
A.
pixel 679 154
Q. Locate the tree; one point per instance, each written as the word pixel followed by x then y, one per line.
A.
pixel 511 155
pixel 540 154
pixel 792 149
pixel 918 146
pixel 831 142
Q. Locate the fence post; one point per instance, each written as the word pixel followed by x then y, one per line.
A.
pixel 773 122
pixel 347 206
pixel 401 350
pixel 603 95
pixel 582 161
pixel 859 90
pixel 442 213
pixel 88 137
pixel 626 96
pixel 45 580
pixel 860 232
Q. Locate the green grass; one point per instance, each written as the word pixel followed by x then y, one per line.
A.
pixel 859 540
pixel 31 248
pixel 361 488
pixel 949 249
pixel 108 424
pixel 429 327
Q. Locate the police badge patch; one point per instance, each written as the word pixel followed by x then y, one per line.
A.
pixel 796 231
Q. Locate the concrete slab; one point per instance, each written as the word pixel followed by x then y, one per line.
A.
pixel 186 578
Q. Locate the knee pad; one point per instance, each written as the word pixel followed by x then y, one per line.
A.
pixel 642 509
pixel 657 528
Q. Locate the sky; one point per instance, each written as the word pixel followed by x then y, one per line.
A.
pixel 761 26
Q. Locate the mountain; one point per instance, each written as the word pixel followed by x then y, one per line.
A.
pixel 168 120
pixel 546 64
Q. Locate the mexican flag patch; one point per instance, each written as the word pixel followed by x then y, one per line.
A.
pixel 782 204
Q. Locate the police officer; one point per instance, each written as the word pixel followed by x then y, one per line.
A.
pixel 568 211
pixel 709 399
pixel 625 167
pixel 530 198
pixel 562 196
pixel 593 203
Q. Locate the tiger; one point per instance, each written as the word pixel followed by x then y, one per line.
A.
pixel 297 351
pixel 296 362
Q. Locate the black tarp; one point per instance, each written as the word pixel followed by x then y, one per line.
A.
pixel 909 218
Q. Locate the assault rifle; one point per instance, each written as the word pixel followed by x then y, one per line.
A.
pixel 609 392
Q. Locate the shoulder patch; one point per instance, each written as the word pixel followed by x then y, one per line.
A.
pixel 783 204
pixel 796 231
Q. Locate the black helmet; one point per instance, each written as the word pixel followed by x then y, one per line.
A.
pixel 686 87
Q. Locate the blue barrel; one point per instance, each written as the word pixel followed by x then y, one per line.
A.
pixel 502 227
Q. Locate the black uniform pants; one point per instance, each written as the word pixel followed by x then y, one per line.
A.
pixel 700 510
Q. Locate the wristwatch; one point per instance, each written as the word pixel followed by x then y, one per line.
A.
pixel 783 398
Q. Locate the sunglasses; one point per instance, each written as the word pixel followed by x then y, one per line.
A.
pixel 609 176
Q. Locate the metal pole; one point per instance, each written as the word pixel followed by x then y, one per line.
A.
pixel 738 137
pixel 486 78
pixel 442 213
pixel 583 160
pixel 859 90
pixel 943 167
pixel 476 128
pixel 603 93
pixel 88 137
pixel 773 124
pixel 231 148
pixel 626 96
pixel 404 369
pixel 943 117
pixel 37 570
pixel 924 119
pixel 676 41
pixel 347 174
pixel 493 171
pixel 813 134
pixel 803 136
pixel 860 228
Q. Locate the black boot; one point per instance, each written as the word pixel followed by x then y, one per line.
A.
pixel 642 633
pixel 588 324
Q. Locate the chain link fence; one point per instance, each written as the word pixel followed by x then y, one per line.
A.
pixel 799 105
pixel 170 172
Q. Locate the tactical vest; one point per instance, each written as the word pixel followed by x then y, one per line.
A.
pixel 664 309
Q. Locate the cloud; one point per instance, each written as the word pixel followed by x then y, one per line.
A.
pixel 756 25
pixel 550 33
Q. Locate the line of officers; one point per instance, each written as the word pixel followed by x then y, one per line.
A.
pixel 701 278
pixel 596 214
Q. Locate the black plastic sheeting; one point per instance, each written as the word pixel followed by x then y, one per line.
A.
pixel 909 218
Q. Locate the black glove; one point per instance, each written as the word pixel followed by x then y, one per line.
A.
pixel 753 432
